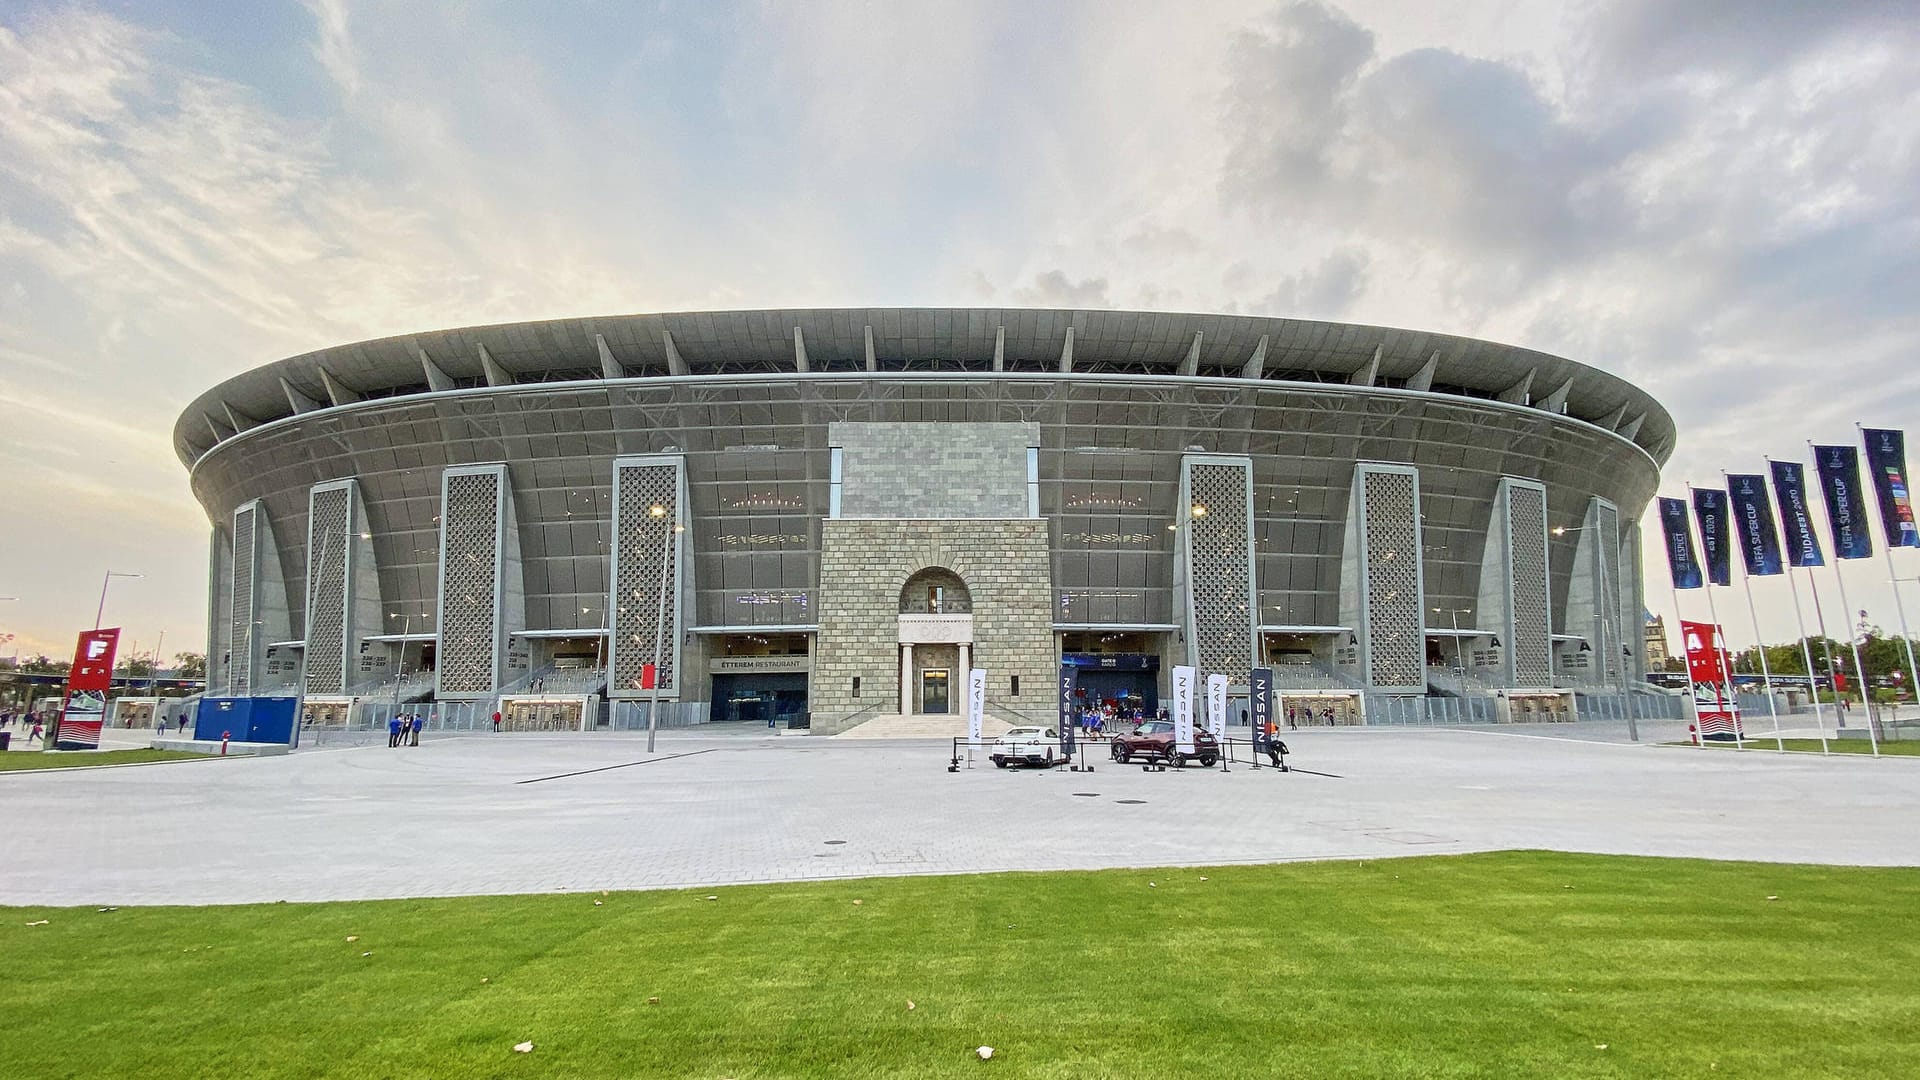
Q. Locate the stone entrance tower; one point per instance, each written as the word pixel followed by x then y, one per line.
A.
pixel 934 560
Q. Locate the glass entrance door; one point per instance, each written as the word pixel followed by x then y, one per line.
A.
pixel 933 691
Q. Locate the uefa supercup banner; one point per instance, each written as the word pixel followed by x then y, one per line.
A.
pixel 1887 468
pixel 1677 537
pixel 1710 506
pixel 1839 471
pixel 1183 709
pixel 1790 487
pixel 1714 707
pixel 1753 524
pixel 91 677
pixel 1217 705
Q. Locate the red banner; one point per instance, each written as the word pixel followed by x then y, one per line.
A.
pixel 87 685
pixel 1714 706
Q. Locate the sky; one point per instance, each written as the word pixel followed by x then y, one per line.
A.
pixel 1718 200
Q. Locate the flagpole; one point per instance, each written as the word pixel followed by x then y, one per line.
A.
pixel 1680 635
pixel 1719 633
pixel 1846 610
pixel 1806 654
pixel 1800 619
pixel 1893 580
pixel 1826 644
pixel 1759 643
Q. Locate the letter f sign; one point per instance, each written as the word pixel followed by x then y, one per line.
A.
pixel 97 648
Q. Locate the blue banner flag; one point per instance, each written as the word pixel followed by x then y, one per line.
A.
pixel 1887 467
pixel 1069 677
pixel 1260 696
pixel 1710 506
pixel 1679 543
pixel 1796 521
pixel 1753 524
pixel 1839 471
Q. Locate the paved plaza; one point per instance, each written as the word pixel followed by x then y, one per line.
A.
pixel 483 814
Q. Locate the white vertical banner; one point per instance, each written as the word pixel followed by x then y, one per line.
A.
pixel 1183 709
pixel 976 703
pixel 1217 705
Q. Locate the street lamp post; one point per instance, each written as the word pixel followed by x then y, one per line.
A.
pixel 100 612
pixel 659 513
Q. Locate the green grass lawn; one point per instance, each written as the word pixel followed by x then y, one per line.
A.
pixel 69 759
pixel 1511 965
pixel 1835 745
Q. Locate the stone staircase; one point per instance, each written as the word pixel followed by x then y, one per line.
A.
pixel 937 726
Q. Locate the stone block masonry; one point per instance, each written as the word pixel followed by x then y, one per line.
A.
pixel 863 565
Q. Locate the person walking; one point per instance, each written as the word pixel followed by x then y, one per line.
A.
pixel 416 730
pixel 37 729
pixel 393 731
pixel 496 722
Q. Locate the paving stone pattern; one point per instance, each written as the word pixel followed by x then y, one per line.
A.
pixel 717 807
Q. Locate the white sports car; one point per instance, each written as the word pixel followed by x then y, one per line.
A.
pixel 1027 746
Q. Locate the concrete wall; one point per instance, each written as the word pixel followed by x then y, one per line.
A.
pixel 863 564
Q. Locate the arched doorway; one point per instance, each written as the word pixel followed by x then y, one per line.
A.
pixel 936 641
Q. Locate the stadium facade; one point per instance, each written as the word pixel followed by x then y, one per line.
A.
pixel 838 514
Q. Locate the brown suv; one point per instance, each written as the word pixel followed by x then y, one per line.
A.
pixel 1155 739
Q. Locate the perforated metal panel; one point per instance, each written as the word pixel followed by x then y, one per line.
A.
pixel 329 525
pixel 1396 629
pixel 467 653
pixel 1220 565
pixel 240 641
pixel 1532 646
pixel 647 508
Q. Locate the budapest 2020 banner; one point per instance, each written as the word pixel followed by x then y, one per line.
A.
pixel 85 710
pixel 1710 506
pixel 1839 471
pixel 1887 468
pixel 1796 520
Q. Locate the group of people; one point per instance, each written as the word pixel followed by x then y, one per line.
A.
pixel 37 731
pixel 404 730
pixel 1296 714
pixel 1111 716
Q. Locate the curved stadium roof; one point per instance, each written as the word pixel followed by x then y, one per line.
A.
pixel 933 340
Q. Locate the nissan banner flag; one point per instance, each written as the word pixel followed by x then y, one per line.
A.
pixel 1260 693
pixel 1839 471
pixel 89 680
pixel 976 703
pixel 1887 467
pixel 1753 524
pixel 1217 705
pixel 1710 506
pixel 1678 539
pixel 1066 721
pixel 1183 709
pixel 1796 521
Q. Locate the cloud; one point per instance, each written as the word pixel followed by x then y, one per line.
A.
pixel 1054 289
pixel 1325 291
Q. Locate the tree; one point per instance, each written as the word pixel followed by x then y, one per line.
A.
pixel 190 665
pixel 44 665
pixel 135 667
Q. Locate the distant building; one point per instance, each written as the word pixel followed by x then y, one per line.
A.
pixel 1656 647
